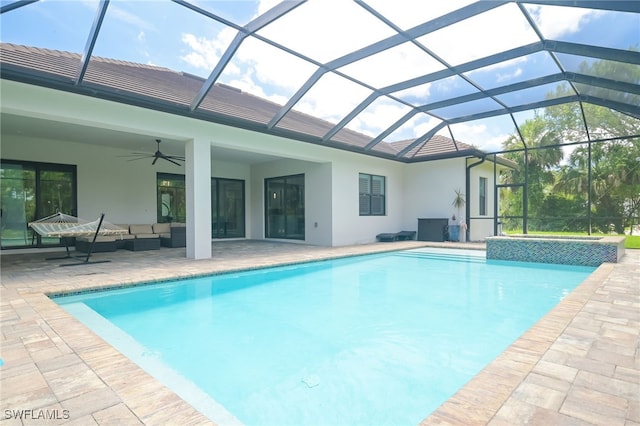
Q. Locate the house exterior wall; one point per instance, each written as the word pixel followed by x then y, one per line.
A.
pixel 481 227
pixel 317 197
pixel 430 188
pixel 107 182
pixel 126 190
pixel 348 226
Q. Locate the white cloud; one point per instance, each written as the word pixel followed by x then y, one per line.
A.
pixel 332 97
pixel 509 76
pixel 556 21
pixel 394 65
pixel 272 66
pixel 409 13
pixel 327 29
pixel 494 31
pixel 378 117
pixel 420 126
pixel 204 52
pixel 482 136
pixel 131 19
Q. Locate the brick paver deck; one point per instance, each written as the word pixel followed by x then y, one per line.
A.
pixel 579 365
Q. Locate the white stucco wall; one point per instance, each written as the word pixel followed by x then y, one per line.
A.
pixel 317 196
pixel 107 182
pixel 348 226
pixel 126 191
pixel 481 227
pixel 430 189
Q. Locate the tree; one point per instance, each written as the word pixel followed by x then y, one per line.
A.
pixel 561 188
pixel 535 165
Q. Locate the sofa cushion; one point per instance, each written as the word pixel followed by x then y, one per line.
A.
pixel 140 229
pixel 161 228
pixel 147 236
pixel 99 238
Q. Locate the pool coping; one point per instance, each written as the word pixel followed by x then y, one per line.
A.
pixel 130 395
pixel 477 403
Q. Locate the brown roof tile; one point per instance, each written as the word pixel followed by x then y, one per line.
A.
pixel 179 89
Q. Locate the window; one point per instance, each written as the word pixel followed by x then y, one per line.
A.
pixel 284 204
pixel 483 196
pixel 227 208
pixel 31 191
pixel 227 204
pixel 171 198
pixel 372 195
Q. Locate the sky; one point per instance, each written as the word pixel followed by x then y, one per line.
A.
pixel 166 34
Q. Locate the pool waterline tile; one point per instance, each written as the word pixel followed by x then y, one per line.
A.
pixel 26 279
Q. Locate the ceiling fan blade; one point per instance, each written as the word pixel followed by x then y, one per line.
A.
pixel 136 158
pixel 135 154
pixel 171 161
pixel 158 154
pixel 174 157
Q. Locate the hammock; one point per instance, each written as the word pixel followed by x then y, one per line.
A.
pixel 65 226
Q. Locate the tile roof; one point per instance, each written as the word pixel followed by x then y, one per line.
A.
pixel 173 91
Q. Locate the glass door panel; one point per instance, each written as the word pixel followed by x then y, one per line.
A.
pixel 228 211
pixel 227 204
pixel 55 195
pixel 285 207
pixel 171 198
pixel 294 211
pixel 32 191
pixel 275 208
pixel 18 205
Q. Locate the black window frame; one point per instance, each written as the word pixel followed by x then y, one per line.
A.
pixel 289 217
pixel 40 167
pixel 367 198
pixel 216 230
pixel 482 196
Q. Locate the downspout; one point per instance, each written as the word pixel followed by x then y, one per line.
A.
pixel 467 210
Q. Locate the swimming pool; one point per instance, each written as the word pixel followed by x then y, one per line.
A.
pixel 379 339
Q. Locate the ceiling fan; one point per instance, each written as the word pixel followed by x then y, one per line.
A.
pixel 156 155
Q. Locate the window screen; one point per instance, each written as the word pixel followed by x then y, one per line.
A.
pixel 372 195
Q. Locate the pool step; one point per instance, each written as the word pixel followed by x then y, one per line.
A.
pixel 443 256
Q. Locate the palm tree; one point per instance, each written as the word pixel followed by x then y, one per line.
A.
pixel 537 158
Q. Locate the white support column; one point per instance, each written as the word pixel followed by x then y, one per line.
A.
pixel 198 189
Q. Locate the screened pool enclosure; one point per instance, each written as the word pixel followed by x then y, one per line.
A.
pixel 552 85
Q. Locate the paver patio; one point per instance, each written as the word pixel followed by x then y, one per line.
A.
pixel 579 365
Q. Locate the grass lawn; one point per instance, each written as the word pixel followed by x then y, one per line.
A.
pixel 632 242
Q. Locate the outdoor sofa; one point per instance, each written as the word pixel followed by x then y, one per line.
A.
pixel 139 237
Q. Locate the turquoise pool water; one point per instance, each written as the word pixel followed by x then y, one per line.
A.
pixel 380 339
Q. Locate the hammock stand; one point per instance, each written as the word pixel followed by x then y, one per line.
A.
pixel 65 227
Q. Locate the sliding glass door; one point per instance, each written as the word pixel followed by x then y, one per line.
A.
pixel 172 204
pixel 31 191
pixel 227 204
pixel 227 208
pixel 285 207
